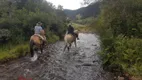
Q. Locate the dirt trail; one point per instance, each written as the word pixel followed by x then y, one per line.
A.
pixel 81 63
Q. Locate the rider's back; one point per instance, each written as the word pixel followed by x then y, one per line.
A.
pixel 38 29
pixel 70 30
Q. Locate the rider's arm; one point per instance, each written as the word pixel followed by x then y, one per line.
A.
pixel 72 28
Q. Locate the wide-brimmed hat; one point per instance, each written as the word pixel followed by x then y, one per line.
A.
pixel 39 23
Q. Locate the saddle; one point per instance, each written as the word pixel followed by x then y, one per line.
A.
pixel 41 37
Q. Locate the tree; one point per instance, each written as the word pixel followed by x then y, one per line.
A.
pixel 88 2
pixel 78 17
pixel 122 16
pixel 20 16
pixel 60 7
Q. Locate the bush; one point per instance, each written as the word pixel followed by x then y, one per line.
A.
pixel 124 52
pixel 4 35
pixel 51 38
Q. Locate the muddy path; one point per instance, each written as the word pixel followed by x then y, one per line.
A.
pixel 81 63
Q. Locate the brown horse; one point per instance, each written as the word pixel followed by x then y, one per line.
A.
pixel 36 43
pixel 69 39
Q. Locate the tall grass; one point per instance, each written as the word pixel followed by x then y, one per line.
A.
pixel 9 51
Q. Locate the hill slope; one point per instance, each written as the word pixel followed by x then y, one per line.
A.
pixel 91 10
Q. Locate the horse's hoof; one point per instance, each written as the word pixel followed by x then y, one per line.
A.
pixel 34 58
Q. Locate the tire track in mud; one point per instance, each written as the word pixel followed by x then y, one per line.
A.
pixel 81 63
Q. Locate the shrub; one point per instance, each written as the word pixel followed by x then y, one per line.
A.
pixel 51 38
pixel 124 52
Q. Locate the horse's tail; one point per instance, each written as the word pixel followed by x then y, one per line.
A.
pixel 31 48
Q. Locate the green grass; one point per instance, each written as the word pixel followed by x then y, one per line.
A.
pixel 76 25
pixel 12 52
pixel 85 21
pixel 82 28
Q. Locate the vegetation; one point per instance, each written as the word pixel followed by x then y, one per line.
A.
pixel 82 28
pixel 120 27
pixel 53 38
pixel 9 51
pixel 17 21
pixel 86 21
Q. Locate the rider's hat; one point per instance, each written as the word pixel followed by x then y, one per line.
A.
pixel 39 23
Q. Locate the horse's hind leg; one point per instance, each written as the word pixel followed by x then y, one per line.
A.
pixel 69 47
pixel 65 47
pixel 41 49
pixel 31 48
pixel 75 43
pixel 32 52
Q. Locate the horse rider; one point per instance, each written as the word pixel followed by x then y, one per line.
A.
pixel 70 30
pixel 37 31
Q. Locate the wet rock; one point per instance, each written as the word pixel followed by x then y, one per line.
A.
pixel 94 44
pixel 80 61
pixel 87 64
pixel 135 78
pixel 95 61
pixel 120 78
pixel 77 66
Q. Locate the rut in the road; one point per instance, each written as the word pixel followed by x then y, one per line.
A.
pixel 81 63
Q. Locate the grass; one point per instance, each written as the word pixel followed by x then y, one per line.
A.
pixel 82 28
pixel 85 21
pixel 10 52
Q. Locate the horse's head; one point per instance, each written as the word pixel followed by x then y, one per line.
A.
pixel 76 31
